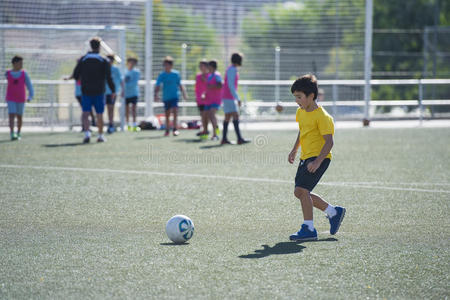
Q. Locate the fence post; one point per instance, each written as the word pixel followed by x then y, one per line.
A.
pixel 277 74
pixel 52 112
pixel 122 53
pixel 183 73
pixel 148 58
pixel 335 97
pixel 244 115
pixel 368 60
pixel 420 101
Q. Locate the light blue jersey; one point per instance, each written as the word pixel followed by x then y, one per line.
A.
pixel 131 83
pixel 171 85
pixel 116 76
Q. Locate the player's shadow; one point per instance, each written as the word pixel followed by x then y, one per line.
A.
pixel 153 137
pixel 189 140
pixel 281 248
pixel 211 146
pixel 64 145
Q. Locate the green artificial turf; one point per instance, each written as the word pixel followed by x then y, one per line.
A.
pixel 68 231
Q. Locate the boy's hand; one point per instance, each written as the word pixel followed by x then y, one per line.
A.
pixel 291 156
pixel 313 166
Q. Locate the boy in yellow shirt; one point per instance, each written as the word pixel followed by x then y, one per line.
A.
pixel 316 140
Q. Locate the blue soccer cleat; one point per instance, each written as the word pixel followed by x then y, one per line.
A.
pixel 335 222
pixel 304 235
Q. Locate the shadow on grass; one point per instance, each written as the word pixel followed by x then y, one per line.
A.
pixel 173 244
pixel 197 140
pixel 282 248
pixel 64 145
pixel 154 137
pixel 211 146
pixel 6 141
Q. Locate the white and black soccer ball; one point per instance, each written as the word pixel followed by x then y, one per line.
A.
pixel 179 229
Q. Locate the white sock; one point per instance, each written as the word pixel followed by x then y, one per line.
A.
pixel 330 211
pixel 310 224
pixel 100 135
pixel 87 134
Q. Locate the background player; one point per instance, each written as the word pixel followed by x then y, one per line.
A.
pixel 171 81
pixel 16 96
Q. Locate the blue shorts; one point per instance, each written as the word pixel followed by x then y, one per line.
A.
pixel 168 104
pixel 97 101
pixel 16 108
pixel 210 106
pixel 230 106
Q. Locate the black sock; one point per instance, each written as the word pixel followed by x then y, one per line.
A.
pixel 225 130
pixel 236 129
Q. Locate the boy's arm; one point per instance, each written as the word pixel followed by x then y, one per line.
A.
pixel 76 71
pixel 29 87
pixel 155 94
pixel 109 80
pixel 314 165
pixel 293 153
pixel 183 91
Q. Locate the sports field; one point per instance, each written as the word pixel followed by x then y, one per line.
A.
pixel 87 221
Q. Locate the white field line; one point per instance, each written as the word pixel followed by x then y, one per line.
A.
pixel 364 185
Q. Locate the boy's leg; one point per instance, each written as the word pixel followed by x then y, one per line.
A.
pixel 306 201
pixel 111 114
pixel 205 120
pixel 127 113
pixel 19 123
pixel 133 111
pixel 225 127
pixel 212 117
pixel 167 112
pixel 175 120
pixel 318 202
pixel 11 123
pixel 100 123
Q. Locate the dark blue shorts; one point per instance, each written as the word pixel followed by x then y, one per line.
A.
pixel 97 101
pixel 131 100
pixel 168 104
pixel 211 106
pixel 306 179
pixel 110 100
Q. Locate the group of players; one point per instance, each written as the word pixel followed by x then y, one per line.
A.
pixel 98 81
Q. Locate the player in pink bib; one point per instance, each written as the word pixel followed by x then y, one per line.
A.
pixel 18 81
pixel 200 95
pixel 213 96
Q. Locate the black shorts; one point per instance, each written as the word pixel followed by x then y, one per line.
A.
pixel 132 100
pixel 306 179
pixel 201 107
pixel 110 100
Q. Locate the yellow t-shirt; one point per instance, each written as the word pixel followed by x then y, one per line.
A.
pixel 313 126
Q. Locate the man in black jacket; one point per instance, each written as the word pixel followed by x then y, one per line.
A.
pixel 93 70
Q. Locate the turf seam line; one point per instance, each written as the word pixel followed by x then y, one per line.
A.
pixel 251 179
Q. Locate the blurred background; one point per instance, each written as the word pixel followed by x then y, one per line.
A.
pixel 281 40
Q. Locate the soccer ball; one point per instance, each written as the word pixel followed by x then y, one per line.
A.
pixel 179 229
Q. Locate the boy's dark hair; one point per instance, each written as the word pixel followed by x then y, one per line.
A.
pixel 306 84
pixel 16 58
pixel 203 62
pixel 213 64
pixel 168 60
pixel 111 57
pixel 132 59
pixel 236 58
pixel 95 43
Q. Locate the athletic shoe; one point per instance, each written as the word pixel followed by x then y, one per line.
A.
pixel 225 142
pixel 215 138
pixel 176 133
pixel 101 139
pixel 13 137
pixel 204 136
pixel 129 128
pixel 217 131
pixel 335 222
pixel 110 130
pixel 166 133
pixel 86 140
pixel 136 128
pixel 304 234
pixel 243 141
pixel 19 137
pixel 200 133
